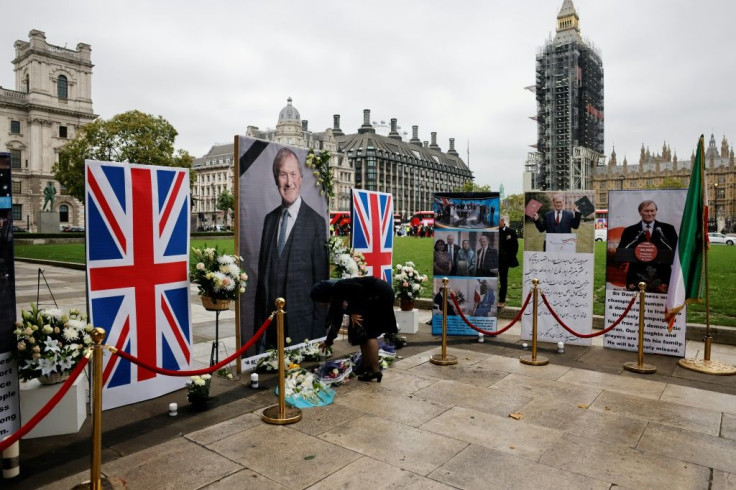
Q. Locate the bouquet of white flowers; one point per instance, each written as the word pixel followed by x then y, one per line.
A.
pixel 408 281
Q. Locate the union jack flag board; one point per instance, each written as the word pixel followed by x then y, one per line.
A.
pixel 137 274
pixel 373 230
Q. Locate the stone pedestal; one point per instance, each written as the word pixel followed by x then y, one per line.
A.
pixel 48 222
pixel 68 415
pixel 408 321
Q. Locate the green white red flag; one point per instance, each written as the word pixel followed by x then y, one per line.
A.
pixel 687 267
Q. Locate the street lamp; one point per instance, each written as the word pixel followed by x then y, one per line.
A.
pixel 621 182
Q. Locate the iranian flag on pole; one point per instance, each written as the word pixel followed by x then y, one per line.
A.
pixel 687 268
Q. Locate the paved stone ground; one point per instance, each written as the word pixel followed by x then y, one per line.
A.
pixel 585 423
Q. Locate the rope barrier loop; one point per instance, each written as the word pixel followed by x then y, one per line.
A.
pixel 588 335
pixel 486 332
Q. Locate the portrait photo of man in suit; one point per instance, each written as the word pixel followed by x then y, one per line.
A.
pixel 292 257
pixel 486 259
pixel 656 272
pixel 558 220
pixel 452 249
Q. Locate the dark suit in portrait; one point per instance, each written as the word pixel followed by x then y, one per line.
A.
pixel 656 274
pixel 452 250
pixel 568 221
pixel 486 262
pixel 302 263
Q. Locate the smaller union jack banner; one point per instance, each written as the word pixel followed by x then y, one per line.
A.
pixel 373 230
pixel 137 274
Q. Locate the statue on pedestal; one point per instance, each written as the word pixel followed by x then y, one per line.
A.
pixel 49 195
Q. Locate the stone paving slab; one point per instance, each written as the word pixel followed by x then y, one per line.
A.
pixel 394 406
pixel 624 466
pixel 413 449
pixel 567 416
pixel 514 366
pixel 665 413
pixel 728 427
pixel 541 388
pixel 697 398
pixel 284 455
pixel 479 467
pixel 488 400
pixel 633 386
pixel 503 434
pixel 369 473
pixel 706 450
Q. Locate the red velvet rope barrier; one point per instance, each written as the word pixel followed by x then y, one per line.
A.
pixel 196 372
pixel 589 335
pixel 46 409
pixel 485 332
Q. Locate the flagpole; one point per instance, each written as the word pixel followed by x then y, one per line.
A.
pixel 705 365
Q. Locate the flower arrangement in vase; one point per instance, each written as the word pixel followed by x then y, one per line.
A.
pixel 218 276
pixel 408 283
pixel 50 343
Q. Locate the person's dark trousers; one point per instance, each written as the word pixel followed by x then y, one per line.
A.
pixel 503 281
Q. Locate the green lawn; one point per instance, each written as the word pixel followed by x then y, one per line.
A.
pixel 722 267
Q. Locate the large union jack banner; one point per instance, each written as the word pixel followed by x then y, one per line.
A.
pixel 137 274
pixel 373 230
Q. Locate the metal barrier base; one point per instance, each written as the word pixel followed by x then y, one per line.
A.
pixel 708 367
pixel 447 361
pixel 272 415
pixel 539 361
pixel 642 368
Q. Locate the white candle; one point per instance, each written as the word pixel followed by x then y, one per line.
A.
pixel 172 409
pixel 560 347
pixel 481 338
pixel 524 346
pixel 254 381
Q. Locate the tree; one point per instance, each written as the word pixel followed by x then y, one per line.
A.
pixel 133 137
pixel 226 201
pixel 513 205
pixel 671 183
pixel 471 186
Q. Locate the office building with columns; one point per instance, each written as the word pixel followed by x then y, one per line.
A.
pixel 51 101
pixel 412 171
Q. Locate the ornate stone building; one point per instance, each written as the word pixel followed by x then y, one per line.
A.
pixel 215 169
pixel 657 169
pixel 411 171
pixel 52 99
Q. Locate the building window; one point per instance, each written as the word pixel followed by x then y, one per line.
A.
pixel 17 187
pixel 62 88
pixel 17 212
pixel 15 127
pixel 64 213
pixel 62 131
pixel 15 158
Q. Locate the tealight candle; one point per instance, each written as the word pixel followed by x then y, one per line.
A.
pixel 172 409
pixel 481 338
pixel 560 347
pixel 525 346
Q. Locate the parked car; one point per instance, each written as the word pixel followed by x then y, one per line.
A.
pixel 721 238
pixel 76 228
pixel 18 229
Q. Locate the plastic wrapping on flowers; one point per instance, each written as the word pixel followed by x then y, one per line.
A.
pixel 334 372
pixel 303 389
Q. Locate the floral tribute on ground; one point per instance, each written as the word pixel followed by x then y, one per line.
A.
pixel 217 275
pixel 198 390
pixel 50 342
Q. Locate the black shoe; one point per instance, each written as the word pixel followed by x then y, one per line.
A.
pixel 378 375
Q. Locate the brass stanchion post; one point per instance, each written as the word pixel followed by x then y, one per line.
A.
pixel 443 359
pixel 533 360
pixel 281 414
pixel 640 366
pixel 96 480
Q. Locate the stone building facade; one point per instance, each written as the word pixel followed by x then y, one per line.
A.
pixel 412 171
pixel 51 101
pixel 657 169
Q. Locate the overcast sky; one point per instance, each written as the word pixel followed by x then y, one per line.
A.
pixel 458 68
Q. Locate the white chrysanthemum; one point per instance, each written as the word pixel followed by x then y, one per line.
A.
pixel 76 324
pixel 70 334
pixel 206 376
pixel 415 287
pixel 54 313
pixel 200 266
pixel 233 270
pixel 226 259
